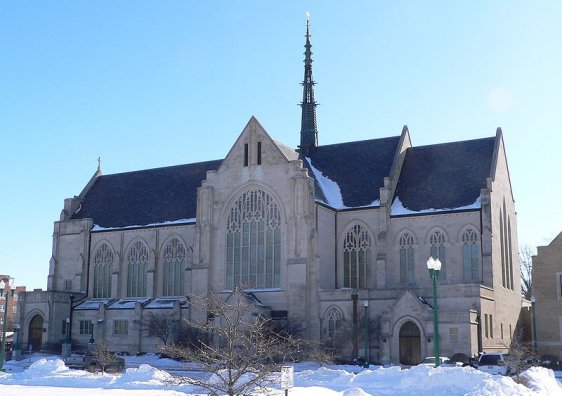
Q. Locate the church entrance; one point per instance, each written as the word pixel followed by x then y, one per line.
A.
pixel 410 347
pixel 36 332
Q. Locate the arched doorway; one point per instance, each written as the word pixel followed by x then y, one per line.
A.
pixel 36 332
pixel 410 344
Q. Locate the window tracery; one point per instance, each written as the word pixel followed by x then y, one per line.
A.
pixel 103 260
pixel 357 255
pixel 137 259
pixel 253 236
pixel 174 259
pixel 406 257
pixel 470 254
pixel 334 320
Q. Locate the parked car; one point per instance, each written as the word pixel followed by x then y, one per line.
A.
pixel 493 363
pixel 75 360
pixel 90 362
pixel 430 361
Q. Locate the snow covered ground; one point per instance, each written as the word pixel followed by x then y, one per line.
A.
pixel 48 376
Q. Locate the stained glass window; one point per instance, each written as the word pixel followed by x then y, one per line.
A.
pixel 137 259
pixel 357 255
pixel 174 259
pixel 103 260
pixel 253 239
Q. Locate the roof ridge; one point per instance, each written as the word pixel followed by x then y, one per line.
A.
pixel 360 141
pixel 283 145
pixel 170 167
pixel 455 142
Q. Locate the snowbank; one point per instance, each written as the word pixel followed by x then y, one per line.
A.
pixel 49 377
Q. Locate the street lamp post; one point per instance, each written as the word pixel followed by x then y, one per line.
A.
pixel 4 284
pixel 66 348
pixel 434 266
pixel 355 347
pixel 17 352
pixel 67 330
pixel 366 306
pixel 533 301
pixel 92 332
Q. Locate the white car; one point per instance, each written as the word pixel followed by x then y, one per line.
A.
pixel 430 361
pixel 493 363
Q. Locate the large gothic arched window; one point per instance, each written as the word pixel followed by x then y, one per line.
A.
pixel 253 242
pixel 406 258
pixel 137 261
pixel 470 254
pixel 437 250
pixel 356 257
pixel 103 260
pixel 174 257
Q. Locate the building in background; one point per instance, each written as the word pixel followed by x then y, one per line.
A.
pixel 14 293
pixel 547 289
pixel 309 232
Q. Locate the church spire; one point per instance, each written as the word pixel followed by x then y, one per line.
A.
pixel 309 131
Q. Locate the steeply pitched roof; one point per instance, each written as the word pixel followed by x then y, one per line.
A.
pixel 445 176
pixel 145 197
pixel 357 169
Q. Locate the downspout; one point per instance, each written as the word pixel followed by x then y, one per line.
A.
pixel 482 248
pixel 336 249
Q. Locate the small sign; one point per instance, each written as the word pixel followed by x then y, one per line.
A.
pixel 287 377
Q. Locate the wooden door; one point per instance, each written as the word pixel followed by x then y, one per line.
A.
pixel 410 344
pixel 36 332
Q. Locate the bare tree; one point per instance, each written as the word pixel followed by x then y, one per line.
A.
pixel 520 356
pixel 238 347
pixel 102 356
pixel 161 326
pixel 526 264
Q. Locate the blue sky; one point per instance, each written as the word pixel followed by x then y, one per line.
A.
pixel 146 84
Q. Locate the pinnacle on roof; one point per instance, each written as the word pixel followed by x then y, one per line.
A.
pixel 309 131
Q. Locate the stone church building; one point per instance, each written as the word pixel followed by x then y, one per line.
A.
pixel 319 235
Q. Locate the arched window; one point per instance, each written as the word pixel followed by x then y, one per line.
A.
pixel 174 258
pixel 103 260
pixel 510 253
pixel 253 242
pixel 437 250
pixel 506 249
pixel 502 250
pixel 334 321
pixel 356 257
pixel 406 258
pixel 137 261
pixel 470 254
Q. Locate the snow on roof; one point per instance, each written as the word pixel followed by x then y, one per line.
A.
pixel 332 191
pixel 330 188
pixel 165 223
pixel 165 302
pixel 93 303
pixel 128 303
pixel 398 209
